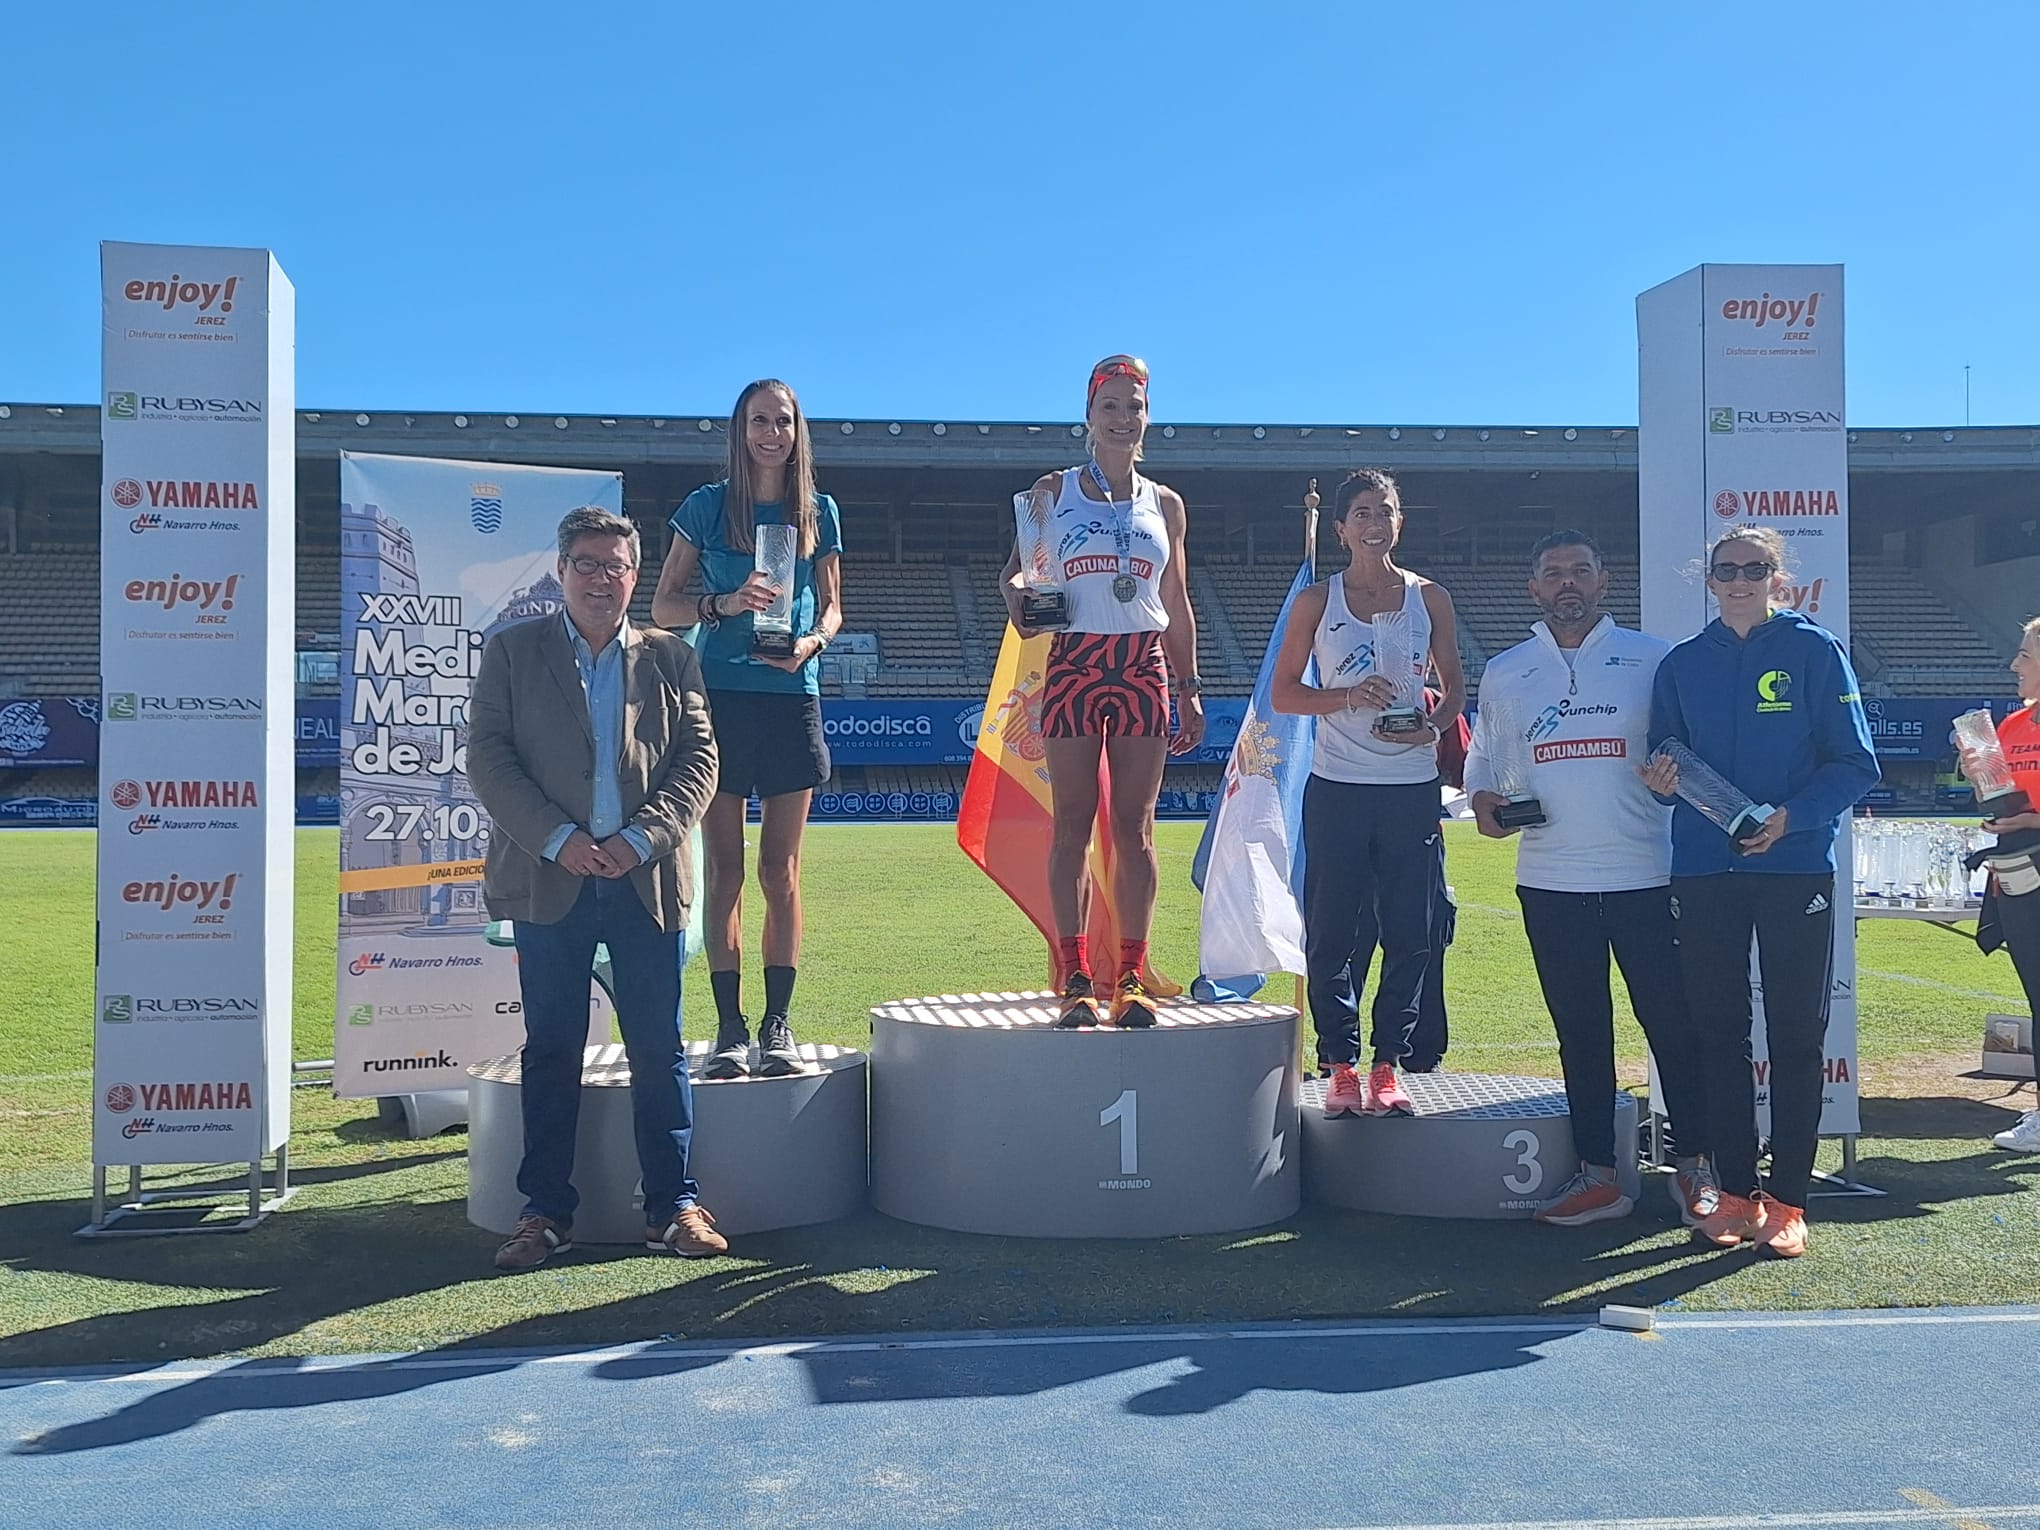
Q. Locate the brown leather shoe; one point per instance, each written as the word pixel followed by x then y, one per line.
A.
pixel 536 1240
pixel 691 1234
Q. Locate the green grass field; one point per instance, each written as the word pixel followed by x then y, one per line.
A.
pixel 376 1253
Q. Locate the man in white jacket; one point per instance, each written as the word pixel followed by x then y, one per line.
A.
pixel 1595 875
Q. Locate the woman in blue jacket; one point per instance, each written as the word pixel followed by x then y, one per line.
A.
pixel 1769 700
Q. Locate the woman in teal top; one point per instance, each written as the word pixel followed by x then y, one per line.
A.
pixel 767 712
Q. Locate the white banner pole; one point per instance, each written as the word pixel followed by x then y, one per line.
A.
pixel 1742 406
pixel 196 861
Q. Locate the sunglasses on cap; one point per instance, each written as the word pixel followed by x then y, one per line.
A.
pixel 1117 366
pixel 1727 573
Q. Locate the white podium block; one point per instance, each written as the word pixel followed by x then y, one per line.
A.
pixel 767 1152
pixel 1480 1145
pixel 987 1119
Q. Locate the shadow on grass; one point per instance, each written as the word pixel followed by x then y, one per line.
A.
pixel 866 1274
pixel 870 1275
pixel 1938 1118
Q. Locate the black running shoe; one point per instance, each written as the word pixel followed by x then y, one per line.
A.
pixel 778 1053
pixel 1133 1007
pixel 1079 1003
pixel 732 1055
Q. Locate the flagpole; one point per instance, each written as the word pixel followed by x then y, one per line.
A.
pixel 1310 504
pixel 1310 509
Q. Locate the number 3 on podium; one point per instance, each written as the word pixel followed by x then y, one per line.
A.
pixel 1126 1111
pixel 1529 1172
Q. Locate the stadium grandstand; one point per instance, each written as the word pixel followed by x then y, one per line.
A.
pixel 1944 564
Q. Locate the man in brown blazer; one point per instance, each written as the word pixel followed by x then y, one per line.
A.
pixel 589 745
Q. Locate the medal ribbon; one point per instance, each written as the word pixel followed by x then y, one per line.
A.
pixel 1122 525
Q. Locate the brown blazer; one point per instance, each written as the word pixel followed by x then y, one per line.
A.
pixel 530 760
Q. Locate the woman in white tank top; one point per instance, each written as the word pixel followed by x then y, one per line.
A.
pixel 1370 808
pixel 1107 677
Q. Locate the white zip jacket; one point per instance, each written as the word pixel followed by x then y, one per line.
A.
pixel 1589 715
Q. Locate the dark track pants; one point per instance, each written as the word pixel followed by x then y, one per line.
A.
pixel 1793 919
pixel 1571 937
pixel 1370 860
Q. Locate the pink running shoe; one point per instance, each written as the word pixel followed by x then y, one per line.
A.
pixel 1342 1094
pixel 1385 1095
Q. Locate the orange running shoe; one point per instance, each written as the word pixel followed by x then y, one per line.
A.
pixel 1735 1219
pixel 1385 1096
pixel 1342 1094
pixel 1582 1199
pixel 1133 1007
pixel 1079 1003
pixel 1784 1234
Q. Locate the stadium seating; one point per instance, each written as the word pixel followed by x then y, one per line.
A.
pixel 938 621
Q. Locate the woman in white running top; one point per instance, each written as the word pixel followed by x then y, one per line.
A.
pixel 1370 808
pixel 1131 640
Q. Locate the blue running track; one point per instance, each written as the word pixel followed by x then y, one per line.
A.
pixel 1709 1423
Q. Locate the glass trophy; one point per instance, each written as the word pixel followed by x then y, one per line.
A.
pixel 1395 660
pixel 1983 762
pixel 772 628
pixel 1711 794
pixel 1044 604
pixel 1504 739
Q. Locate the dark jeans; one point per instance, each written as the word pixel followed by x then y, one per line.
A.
pixel 1793 919
pixel 1432 1036
pixel 554 966
pixel 1571 936
pixel 1370 856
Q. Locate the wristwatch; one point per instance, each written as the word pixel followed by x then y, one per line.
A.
pixel 1190 685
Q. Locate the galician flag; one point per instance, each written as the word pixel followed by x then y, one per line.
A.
pixel 1249 864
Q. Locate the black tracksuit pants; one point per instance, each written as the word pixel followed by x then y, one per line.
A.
pixel 1370 861
pixel 1571 937
pixel 1793 918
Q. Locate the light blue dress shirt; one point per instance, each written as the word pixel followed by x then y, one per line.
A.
pixel 602 684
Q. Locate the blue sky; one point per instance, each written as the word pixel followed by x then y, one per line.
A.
pixel 1405 214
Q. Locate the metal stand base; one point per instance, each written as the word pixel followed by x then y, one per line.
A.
pixel 146 1214
pixel 1844 1183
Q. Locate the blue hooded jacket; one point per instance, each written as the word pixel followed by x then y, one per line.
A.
pixel 1778 714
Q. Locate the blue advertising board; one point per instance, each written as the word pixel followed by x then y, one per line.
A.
pixel 49 732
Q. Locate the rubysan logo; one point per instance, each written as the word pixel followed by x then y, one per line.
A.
pixel 127 493
pixel 125 794
pixel 120 1098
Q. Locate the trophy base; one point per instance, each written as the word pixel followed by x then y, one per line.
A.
pixel 2004 804
pixel 1402 720
pixel 1047 611
pixel 1520 813
pixel 771 645
pixel 1749 823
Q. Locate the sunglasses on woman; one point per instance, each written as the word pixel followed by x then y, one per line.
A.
pixel 1756 573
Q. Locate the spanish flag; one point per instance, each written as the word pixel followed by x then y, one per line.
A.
pixel 1007 820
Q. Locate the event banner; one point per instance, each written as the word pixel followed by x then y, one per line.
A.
pixel 1741 383
pixel 198 514
pixel 436 557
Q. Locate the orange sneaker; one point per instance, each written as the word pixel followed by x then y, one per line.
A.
pixel 1342 1094
pixel 1078 1003
pixel 1784 1232
pixel 1582 1199
pixel 1385 1096
pixel 1735 1219
pixel 1132 1005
